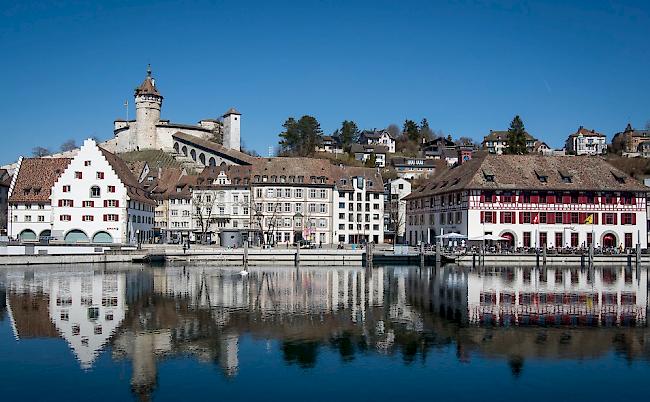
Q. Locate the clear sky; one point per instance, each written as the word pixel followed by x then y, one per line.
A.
pixel 468 66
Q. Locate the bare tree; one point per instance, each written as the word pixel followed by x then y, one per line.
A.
pixel 69 145
pixel 40 152
pixel 394 130
pixel 203 203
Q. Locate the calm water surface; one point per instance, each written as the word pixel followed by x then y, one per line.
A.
pixel 200 332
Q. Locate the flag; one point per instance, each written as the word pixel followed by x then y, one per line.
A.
pixel 589 220
pixel 536 219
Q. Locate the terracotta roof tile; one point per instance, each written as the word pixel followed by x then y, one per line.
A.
pixel 524 172
pixel 134 189
pixel 36 177
pixel 344 174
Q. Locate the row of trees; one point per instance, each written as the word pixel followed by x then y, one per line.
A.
pixel 301 137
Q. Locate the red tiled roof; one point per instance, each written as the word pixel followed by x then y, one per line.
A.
pixel 36 177
pixel 522 172
pixel 135 190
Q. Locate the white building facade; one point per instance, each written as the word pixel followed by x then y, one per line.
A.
pixel 358 206
pixel 533 201
pixel 97 199
pixel 586 142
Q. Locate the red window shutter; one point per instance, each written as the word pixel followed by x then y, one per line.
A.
pixel 550 217
pixel 482 197
pixel 595 219
pixel 582 199
pixel 60 203
pixel 105 203
pixel 582 217
pixel 501 217
pixel 615 219
pixel 566 217
pixel 633 219
pixel 633 199
pixel 72 203
pixel 566 199
pixel 117 203
pixel 105 217
pixel 513 216
pixel 482 216
pixel 550 199
pixel 521 217
pixel 534 199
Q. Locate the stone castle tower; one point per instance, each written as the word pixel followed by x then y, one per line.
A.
pixel 148 102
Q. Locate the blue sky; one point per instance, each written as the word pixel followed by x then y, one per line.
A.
pixel 467 66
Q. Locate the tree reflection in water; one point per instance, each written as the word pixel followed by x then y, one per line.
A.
pixel 510 314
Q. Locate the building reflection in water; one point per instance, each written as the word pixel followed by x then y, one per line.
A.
pixel 147 315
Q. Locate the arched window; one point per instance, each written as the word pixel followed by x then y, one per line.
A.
pixel 193 155
pixel 95 192
pixel 202 158
pixel 176 147
pixel 212 162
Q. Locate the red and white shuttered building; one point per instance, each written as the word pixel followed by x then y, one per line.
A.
pixel 532 200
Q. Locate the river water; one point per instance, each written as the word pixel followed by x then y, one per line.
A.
pixel 315 334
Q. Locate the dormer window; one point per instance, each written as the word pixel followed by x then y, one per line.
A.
pixel 95 192
pixel 179 189
pixel 542 176
pixel 619 177
pixel 567 177
pixel 488 175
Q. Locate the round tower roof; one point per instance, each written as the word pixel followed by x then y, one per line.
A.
pixel 230 111
pixel 148 86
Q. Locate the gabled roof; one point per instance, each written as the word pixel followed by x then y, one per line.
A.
pixel 135 190
pixel 343 176
pixel 634 132
pixel 586 133
pixel 502 135
pixel 368 148
pixel 530 172
pixel 182 189
pixel 237 175
pixel 375 134
pixel 296 167
pixel 231 154
pixel 35 179
pixel 431 163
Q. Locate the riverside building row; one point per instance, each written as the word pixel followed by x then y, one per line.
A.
pixel 95 198
pixel 533 201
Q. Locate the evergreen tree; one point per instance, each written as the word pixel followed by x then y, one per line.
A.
pixel 425 130
pixel 517 137
pixel 300 137
pixel 411 131
pixel 349 133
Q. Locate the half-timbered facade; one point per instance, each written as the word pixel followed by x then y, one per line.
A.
pixel 533 201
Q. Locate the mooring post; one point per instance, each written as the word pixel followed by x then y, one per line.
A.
pixel 591 255
pixel 245 254
pixel 638 254
pixel 297 259
pixel 369 256
pixel 544 255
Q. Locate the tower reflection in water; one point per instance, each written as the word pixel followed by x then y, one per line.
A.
pixel 146 315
